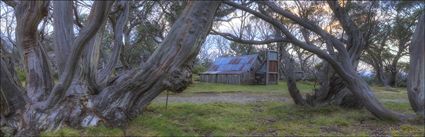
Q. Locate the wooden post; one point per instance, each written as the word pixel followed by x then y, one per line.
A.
pixel 267 67
pixel 166 101
pixel 276 73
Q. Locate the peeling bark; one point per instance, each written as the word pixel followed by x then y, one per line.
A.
pixel 28 15
pixel 180 46
pixel 98 14
pixel 180 79
pixel 90 61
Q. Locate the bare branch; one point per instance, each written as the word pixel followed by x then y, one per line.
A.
pixel 290 37
pixel 77 19
pixel 11 3
pixel 98 14
pixel 119 25
pixel 308 25
pixel 341 15
pixel 231 37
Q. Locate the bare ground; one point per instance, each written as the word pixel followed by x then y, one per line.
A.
pixel 210 97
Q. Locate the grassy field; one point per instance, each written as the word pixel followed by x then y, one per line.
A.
pixel 263 118
pixel 281 87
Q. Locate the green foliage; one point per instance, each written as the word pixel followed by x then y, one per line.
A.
pixel 407 130
pixel 90 131
pixel 144 44
pixel 63 132
pixel 21 74
pixel 176 9
pixel 102 131
pixel 197 69
pixel 242 49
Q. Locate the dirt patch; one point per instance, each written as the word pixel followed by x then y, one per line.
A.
pixel 210 97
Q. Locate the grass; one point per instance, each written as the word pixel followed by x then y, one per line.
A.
pixel 198 87
pixel 258 118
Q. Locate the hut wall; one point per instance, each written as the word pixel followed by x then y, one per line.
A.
pixel 229 78
pixel 248 78
pixel 208 78
pixel 221 78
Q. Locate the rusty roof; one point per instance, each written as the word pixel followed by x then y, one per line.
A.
pixel 232 65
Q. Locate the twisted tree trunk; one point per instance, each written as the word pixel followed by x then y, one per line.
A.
pixel 342 65
pixel 288 64
pixel 416 81
pixel 288 67
pixel 127 94
pixel 334 90
pixel 28 16
pixel 118 22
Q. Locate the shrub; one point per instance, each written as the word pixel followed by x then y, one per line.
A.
pixel 199 69
pixel 21 74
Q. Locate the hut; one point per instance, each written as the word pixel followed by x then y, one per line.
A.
pixel 247 69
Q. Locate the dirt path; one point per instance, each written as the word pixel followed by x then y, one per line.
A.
pixel 208 97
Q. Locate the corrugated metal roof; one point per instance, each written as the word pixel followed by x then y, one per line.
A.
pixel 232 65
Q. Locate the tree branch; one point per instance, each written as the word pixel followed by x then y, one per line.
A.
pixel 231 37
pixel 341 15
pixel 63 31
pixel 77 19
pixel 122 17
pixel 98 14
pixel 11 3
pixel 28 16
pixel 180 46
pixel 308 25
pixel 12 92
pixel 292 38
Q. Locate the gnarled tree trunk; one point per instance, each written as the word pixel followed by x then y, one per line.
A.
pixel 343 65
pixel 416 80
pixel 120 99
pixel 334 89
pixel 39 79
pixel 288 68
